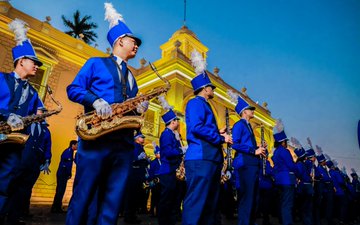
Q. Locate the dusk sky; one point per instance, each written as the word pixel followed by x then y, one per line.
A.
pixel 301 57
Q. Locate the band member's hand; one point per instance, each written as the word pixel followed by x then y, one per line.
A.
pixel 103 109
pixel 142 107
pixel 261 151
pixel 15 122
pixel 228 138
pixel 183 149
pixel 222 130
pixel 142 156
pixel 45 167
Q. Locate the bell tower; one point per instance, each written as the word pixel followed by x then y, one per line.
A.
pixel 184 40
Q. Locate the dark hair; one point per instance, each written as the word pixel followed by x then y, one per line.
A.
pixel 16 62
pixel 198 91
pixel 73 142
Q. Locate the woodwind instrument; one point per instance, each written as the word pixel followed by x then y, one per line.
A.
pixel 180 171
pixel 227 167
pixel 7 136
pixel 263 158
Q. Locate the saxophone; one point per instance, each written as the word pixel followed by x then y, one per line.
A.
pixel 227 166
pixel 180 171
pixel 6 136
pixel 90 126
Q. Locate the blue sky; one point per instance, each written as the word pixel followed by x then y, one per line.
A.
pixel 302 57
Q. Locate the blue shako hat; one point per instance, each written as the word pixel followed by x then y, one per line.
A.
pixel 242 105
pixel 329 164
pixel 138 134
pixel 118 27
pixel 23 48
pixel 310 152
pixel 320 158
pixel 202 79
pixel 169 116
pixel 279 133
pixel 300 152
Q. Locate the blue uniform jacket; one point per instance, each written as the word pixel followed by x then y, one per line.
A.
pixel 266 182
pixel 244 144
pixel 99 78
pixel 154 168
pixel 338 181
pixel 325 178
pixel 170 152
pixel 304 170
pixel 138 149
pixel 7 87
pixel 284 167
pixel 203 137
pixel 66 162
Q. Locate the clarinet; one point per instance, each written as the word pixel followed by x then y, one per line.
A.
pixel 262 139
pixel 227 167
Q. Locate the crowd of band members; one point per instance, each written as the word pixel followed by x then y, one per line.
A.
pixel 112 169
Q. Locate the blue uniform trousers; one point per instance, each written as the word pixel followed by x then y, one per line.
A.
pixel 248 192
pixel 287 193
pixel 61 181
pixel 306 198
pixel 10 156
pixel 203 188
pixel 167 207
pixel 102 169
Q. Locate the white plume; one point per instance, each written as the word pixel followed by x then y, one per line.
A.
pixel 19 28
pixel 319 151
pixel 295 142
pixel 327 157
pixel 279 126
pixel 309 142
pixel 164 103
pixel 112 16
pixel 233 96
pixel 198 62
pixel 154 144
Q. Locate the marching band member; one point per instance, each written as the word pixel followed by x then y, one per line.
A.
pixel 103 165
pixel 18 99
pixel 246 163
pixel 304 189
pixel 203 159
pixel 135 194
pixel 171 155
pixel 153 176
pixel 284 173
pixel 326 190
pixel 341 201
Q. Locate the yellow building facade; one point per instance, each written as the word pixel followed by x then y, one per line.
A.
pixel 64 55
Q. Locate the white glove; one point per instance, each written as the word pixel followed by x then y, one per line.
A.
pixel 15 122
pixel 103 109
pixel 183 149
pixel 45 167
pixel 142 107
pixel 142 156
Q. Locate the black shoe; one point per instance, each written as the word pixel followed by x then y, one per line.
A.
pixel 16 222
pixel 56 210
pixel 132 221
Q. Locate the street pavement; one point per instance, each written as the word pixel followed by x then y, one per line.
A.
pixel 41 215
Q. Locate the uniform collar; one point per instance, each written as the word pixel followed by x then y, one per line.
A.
pixel 202 98
pixel 118 59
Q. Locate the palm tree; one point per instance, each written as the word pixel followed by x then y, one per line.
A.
pixel 81 27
